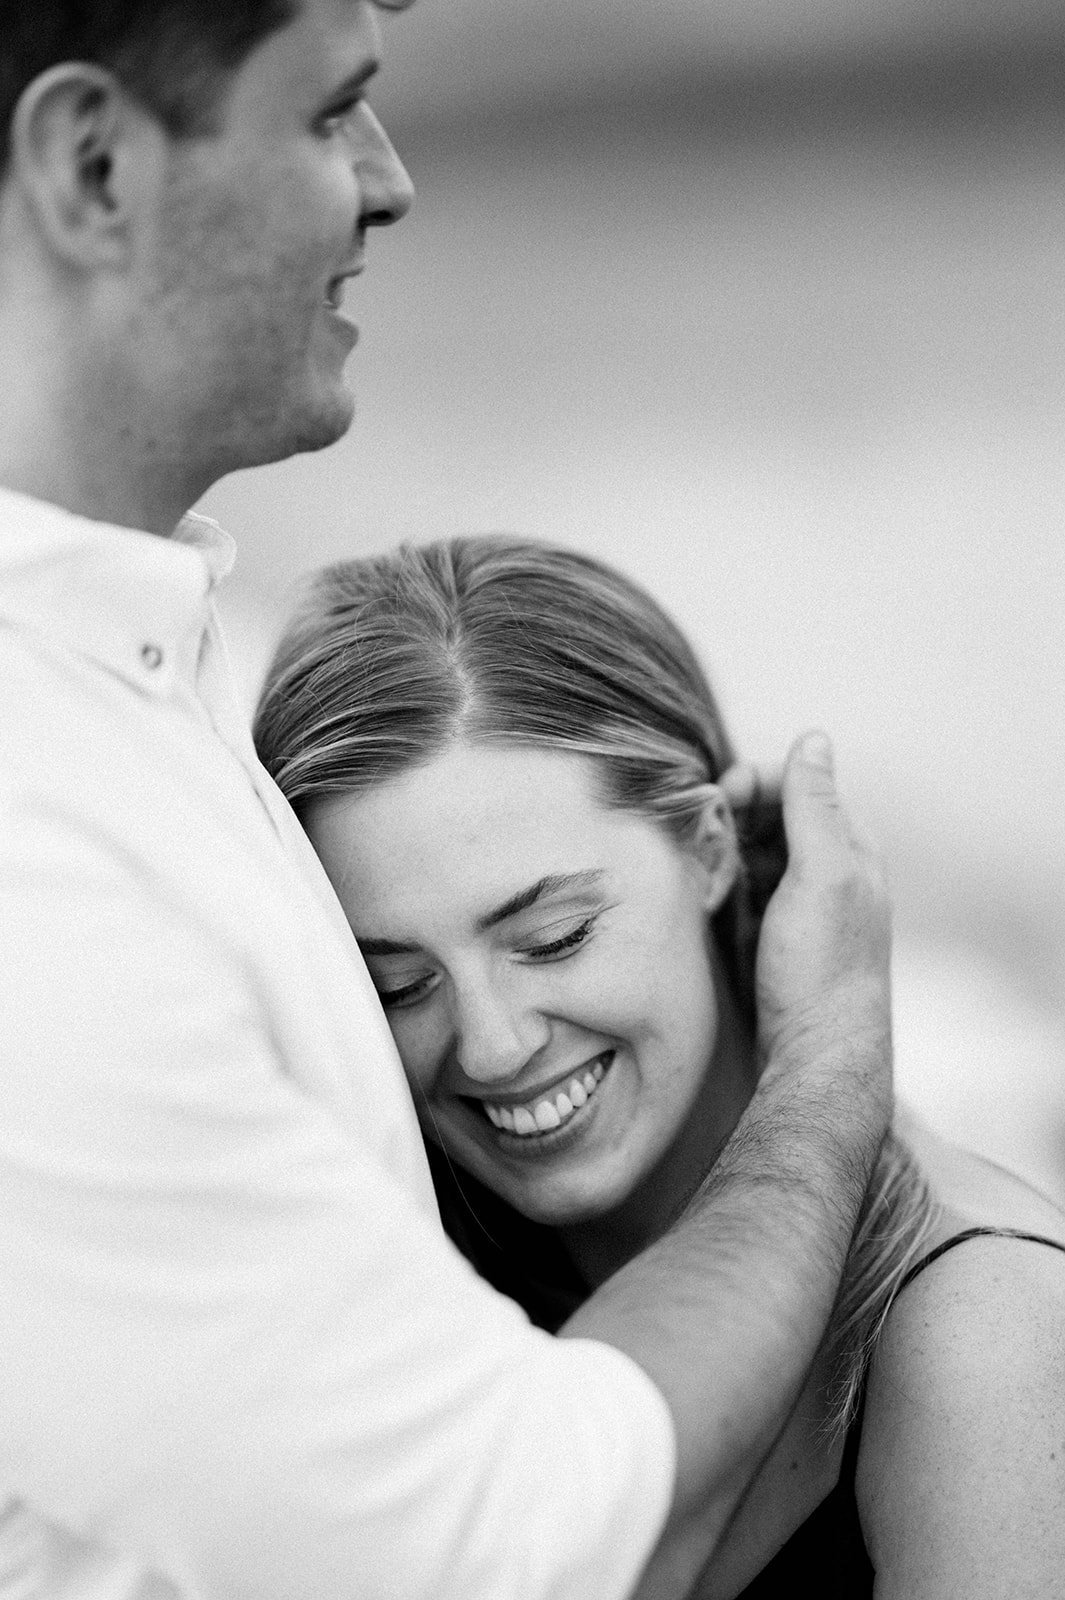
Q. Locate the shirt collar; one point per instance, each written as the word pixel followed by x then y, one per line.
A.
pixel 134 602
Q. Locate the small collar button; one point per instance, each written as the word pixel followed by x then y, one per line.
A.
pixel 152 656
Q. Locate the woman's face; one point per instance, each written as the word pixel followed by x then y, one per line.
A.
pixel 544 963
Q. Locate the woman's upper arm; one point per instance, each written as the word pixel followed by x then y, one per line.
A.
pixel 961 1480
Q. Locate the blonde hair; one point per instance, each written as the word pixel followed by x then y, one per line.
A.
pixel 389 659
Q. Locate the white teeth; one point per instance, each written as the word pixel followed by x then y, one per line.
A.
pixel 545 1115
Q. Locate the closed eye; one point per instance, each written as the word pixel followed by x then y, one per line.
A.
pixel 407 994
pixel 558 948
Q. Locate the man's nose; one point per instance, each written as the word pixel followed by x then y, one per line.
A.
pixel 496 1035
pixel 387 191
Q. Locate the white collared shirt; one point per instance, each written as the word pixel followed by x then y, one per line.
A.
pixel 234 1344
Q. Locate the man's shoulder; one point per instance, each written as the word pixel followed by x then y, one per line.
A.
pixel 62 742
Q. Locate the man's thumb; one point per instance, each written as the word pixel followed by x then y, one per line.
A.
pixel 811 805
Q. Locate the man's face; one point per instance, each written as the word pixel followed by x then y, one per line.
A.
pixel 239 333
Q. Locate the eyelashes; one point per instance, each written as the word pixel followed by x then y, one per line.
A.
pixel 410 994
pixel 558 947
pixel 341 117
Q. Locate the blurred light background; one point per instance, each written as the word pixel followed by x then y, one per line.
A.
pixel 763 300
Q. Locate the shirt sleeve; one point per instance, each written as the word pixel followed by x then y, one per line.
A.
pixel 234 1348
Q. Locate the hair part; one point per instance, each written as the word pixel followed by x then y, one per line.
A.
pixel 390 659
pixel 176 57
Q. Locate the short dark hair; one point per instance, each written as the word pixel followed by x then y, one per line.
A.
pixel 174 56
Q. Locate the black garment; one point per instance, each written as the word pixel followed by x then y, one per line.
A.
pixel 826 1555
pixel 524 1260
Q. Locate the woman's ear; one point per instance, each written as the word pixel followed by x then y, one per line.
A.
pixel 79 148
pixel 714 845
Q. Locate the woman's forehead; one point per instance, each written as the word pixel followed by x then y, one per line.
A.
pixel 470 831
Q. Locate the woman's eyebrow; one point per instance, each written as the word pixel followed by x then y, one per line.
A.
pixel 554 883
pixel 385 947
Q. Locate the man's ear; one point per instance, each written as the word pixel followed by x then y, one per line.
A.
pixel 713 843
pixel 76 138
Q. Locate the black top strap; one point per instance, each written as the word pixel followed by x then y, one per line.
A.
pixel 972 1233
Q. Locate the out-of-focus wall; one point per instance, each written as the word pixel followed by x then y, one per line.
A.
pixel 782 331
pixel 453 58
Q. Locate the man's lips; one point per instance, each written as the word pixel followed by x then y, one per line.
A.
pixel 334 294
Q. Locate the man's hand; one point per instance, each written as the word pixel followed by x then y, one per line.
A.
pixel 822 973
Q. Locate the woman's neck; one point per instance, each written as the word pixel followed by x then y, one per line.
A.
pixel 600 1246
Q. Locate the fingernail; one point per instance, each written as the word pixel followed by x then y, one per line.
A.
pixel 817 749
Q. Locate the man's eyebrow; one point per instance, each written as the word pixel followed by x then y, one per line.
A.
pixel 355 82
pixel 554 883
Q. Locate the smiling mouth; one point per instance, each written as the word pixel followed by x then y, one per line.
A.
pixel 548 1112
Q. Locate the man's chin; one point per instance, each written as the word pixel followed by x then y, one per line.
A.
pixel 324 424
pixel 305 429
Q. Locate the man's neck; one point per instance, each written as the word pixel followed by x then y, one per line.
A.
pixel 74 435
pixel 120 503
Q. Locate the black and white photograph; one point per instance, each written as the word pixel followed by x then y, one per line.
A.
pixel 532 852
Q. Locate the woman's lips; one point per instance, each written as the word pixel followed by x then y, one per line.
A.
pixel 545 1113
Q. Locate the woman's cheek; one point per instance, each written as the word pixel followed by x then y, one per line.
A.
pixel 606 996
pixel 422 1048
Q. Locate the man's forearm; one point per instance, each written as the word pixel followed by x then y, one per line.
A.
pixel 726 1312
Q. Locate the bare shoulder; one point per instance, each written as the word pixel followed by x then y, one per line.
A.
pixel 961 1478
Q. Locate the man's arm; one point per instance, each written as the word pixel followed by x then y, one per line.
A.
pixel 237 1352
pixel 725 1312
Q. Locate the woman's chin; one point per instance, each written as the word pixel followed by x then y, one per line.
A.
pixel 557 1203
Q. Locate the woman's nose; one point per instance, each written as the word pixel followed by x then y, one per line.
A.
pixel 496 1037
